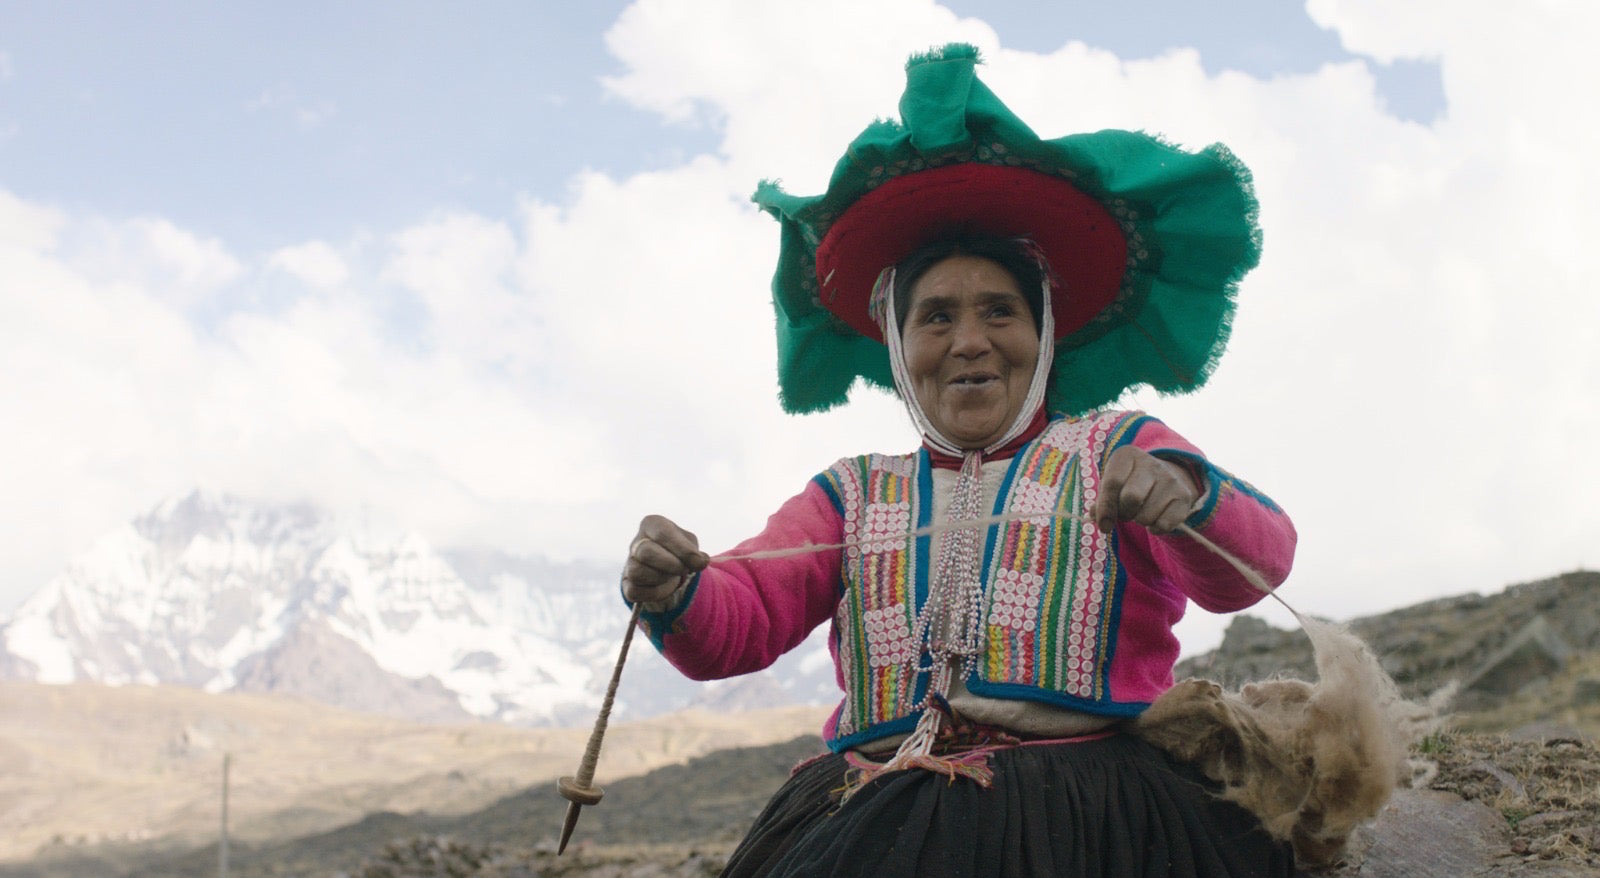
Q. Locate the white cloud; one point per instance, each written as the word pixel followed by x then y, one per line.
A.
pixel 1420 294
pixel 162 260
pixel 120 399
pixel 271 98
pixel 314 263
pixel 459 266
pixel 283 99
pixel 785 82
pixel 192 261
pixel 1412 371
pixel 1388 32
pixel 90 367
pixel 27 227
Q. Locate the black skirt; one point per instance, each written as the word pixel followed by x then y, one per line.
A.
pixel 1111 807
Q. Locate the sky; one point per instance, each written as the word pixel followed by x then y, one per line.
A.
pixel 489 272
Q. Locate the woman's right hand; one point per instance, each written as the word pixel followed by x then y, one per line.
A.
pixel 660 559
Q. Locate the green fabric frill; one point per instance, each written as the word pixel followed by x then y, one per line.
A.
pixel 1190 221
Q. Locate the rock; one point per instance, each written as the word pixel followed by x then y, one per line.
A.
pixel 1529 824
pixel 1507 782
pixel 1532 654
pixel 1252 649
pixel 1247 634
pixel 315 661
pixel 1547 869
pixel 1427 834
pixel 1546 732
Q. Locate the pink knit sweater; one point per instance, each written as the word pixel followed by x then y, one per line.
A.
pixel 740 616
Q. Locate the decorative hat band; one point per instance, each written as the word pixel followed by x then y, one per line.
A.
pixel 1147 242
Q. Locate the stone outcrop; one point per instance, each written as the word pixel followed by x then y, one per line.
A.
pixel 1426 834
pixel 1535 652
pixel 1493 641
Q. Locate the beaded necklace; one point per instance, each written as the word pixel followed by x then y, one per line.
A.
pixel 949 624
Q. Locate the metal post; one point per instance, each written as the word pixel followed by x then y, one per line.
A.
pixel 222 849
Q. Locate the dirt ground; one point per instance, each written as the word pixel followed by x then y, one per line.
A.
pixel 1547 789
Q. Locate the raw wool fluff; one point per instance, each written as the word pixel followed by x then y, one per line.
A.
pixel 1311 760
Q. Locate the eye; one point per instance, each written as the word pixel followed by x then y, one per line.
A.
pixel 932 317
pixel 1002 310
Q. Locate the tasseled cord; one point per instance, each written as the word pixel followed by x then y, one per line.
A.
pixel 964 750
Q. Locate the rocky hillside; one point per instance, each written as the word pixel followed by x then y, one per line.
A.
pixel 1528 654
pixel 645 819
pixel 1490 805
pixel 1511 786
pixel 130 771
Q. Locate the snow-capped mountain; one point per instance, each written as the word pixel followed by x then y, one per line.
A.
pixel 219 593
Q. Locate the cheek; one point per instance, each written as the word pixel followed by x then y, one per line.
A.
pixel 922 360
pixel 1024 353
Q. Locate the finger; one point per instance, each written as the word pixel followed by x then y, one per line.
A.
pixel 1170 515
pixel 1133 503
pixel 1105 515
pixel 682 544
pixel 1112 479
pixel 1171 497
pixel 646 576
pixel 650 554
pixel 1129 488
pixel 653 578
pixel 637 589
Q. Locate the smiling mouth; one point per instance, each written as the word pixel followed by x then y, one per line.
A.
pixel 972 380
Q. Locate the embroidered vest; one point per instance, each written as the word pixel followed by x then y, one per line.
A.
pixel 1049 594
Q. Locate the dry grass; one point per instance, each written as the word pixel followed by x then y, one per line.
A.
pixel 82 765
pixel 1548 790
pixel 440 856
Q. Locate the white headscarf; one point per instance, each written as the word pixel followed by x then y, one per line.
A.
pixel 882 305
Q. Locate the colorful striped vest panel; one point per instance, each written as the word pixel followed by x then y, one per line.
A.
pixel 1050 590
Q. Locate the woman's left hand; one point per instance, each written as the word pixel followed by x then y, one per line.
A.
pixel 1136 486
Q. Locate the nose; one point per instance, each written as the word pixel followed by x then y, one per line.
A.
pixel 969 339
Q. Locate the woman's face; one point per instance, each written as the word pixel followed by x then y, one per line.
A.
pixel 970 346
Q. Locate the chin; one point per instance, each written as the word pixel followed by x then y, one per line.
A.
pixel 976 430
pixel 971 442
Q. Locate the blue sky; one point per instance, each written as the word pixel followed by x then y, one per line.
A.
pixel 268 122
pixel 488 272
pixel 265 123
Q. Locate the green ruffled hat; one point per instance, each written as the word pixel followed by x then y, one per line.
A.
pixel 1148 241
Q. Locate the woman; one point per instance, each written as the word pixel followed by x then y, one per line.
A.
pixel 1006 287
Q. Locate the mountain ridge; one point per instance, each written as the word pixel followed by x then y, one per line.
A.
pixel 223 594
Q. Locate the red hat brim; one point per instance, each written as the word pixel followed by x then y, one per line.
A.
pixel 1080 238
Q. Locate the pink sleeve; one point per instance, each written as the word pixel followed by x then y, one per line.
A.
pixel 1234 515
pixel 740 616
